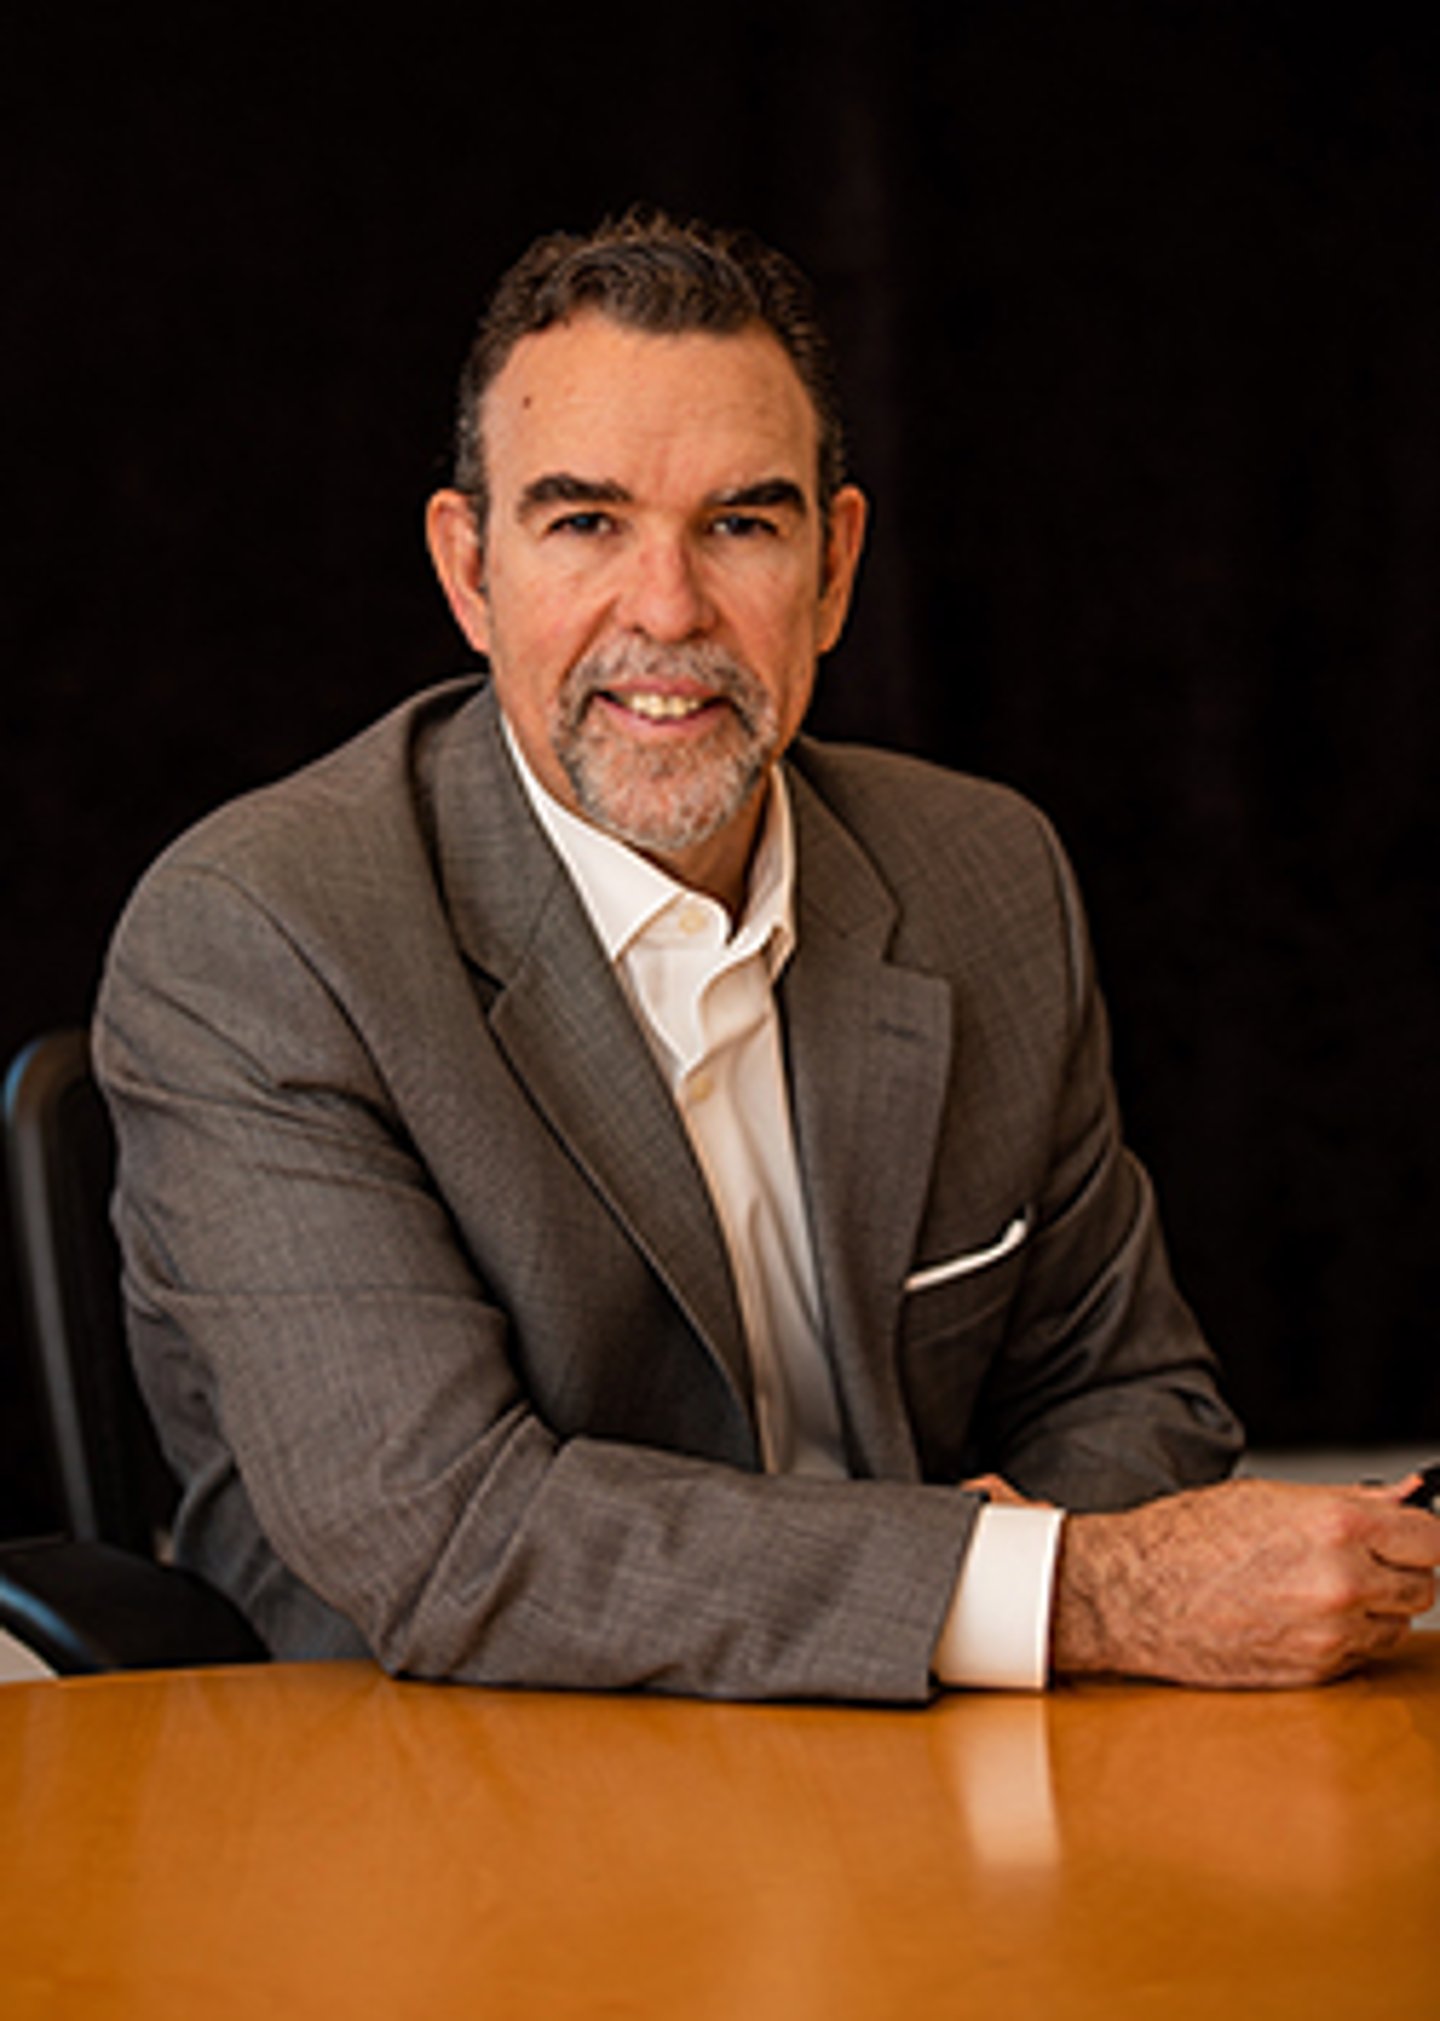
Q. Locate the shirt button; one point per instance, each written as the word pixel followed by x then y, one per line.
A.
pixel 700 1087
pixel 692 918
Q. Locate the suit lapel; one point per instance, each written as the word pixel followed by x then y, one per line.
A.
pixel 568 1032
pixel 869 1054
pixel 562 1021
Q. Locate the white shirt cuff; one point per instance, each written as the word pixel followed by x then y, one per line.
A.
pixel 997 1632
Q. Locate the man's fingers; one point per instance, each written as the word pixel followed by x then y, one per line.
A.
pixel 1403 1592
pixel 1405 1537
pixel 1387 1491
pixel 1388 1631
pixel 1419 1490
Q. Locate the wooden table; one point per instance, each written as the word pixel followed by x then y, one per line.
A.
pixel 315 1840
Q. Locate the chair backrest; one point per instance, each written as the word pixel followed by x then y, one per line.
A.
pixel 114 1485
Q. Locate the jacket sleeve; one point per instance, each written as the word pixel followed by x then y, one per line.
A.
pixel 339 1391
pixel 1104 1393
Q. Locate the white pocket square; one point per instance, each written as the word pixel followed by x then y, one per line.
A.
pixel 1011 1236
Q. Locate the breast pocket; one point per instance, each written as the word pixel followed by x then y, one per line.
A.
pixel 953 1322
pixel 971 1262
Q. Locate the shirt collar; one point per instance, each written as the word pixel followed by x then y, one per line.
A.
pixel 625 893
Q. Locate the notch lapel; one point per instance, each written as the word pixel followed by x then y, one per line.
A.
pixel 560 1017
pixel 568 1032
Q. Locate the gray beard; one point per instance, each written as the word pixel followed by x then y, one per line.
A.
pixel 664 801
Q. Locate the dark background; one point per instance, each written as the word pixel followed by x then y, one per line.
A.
pixel 1139 320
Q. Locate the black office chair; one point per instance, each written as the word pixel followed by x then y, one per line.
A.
pixel 96 1598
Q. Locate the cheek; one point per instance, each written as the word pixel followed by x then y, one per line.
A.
pixel 782 642
pixel 537 628
pixel 778 613
pixel 789 676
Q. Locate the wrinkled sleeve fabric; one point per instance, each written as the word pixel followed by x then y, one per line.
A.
pixel 1106 1393
pixel 337 1386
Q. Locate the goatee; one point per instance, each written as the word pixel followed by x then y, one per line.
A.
pixel 664 798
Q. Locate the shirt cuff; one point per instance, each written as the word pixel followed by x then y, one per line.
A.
pixel 997 1632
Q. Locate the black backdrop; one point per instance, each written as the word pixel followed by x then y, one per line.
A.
pixel 1139 320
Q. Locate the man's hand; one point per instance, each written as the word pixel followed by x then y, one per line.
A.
pixel 1248 1583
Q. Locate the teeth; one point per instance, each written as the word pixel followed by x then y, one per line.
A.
pixel 662 708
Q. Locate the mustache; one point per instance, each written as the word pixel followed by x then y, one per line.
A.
pixel 635 659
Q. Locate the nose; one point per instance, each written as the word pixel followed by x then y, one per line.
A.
pixel 664 596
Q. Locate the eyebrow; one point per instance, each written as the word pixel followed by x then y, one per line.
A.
pixel 563 487
pixel 770 491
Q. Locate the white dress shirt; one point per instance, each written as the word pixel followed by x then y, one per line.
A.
pixel 703 995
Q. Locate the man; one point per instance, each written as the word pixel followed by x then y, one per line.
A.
pixel 601 1174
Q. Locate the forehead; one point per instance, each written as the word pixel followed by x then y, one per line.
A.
pixel 598 400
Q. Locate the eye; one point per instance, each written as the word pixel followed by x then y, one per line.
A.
pixel 586 523
pixel 743 525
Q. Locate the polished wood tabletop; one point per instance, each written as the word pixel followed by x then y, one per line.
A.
pixel 307 1840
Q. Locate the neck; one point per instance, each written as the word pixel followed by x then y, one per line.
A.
pixel 720 866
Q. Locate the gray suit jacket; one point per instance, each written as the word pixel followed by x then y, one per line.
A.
pixel 427 1293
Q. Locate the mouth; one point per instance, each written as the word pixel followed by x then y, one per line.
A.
pixel 659 705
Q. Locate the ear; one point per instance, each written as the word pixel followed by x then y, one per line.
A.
pixel 459 563
pixel 844 539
